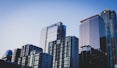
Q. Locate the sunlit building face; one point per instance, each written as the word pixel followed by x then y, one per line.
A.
pixel 92 33
pixel 52 33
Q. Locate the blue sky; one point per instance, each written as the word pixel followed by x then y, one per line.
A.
pixel 21 21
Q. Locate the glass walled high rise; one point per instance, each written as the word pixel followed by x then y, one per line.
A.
pixel 92 32
pixel 52 33
pixel 110 21
pixel 64 52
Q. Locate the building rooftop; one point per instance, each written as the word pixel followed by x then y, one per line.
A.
pixel 58 23
pixel 89 18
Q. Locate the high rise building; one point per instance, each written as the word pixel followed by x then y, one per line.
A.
pixel 64 52
pixel 26 50
pixel 40 60
pixel 52 33
pixel 16 55
pixel 92 32
pixel 110 21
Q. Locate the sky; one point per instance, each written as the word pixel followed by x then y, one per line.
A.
pixel 21 21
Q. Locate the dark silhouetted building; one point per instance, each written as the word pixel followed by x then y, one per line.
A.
pixel 92 58
pixel 6 64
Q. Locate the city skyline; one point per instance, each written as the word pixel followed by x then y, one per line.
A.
pixel 21 21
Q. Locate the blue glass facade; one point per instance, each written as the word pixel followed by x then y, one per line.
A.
pixel 110 21
pixel 7 56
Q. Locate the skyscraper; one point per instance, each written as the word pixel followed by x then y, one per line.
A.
pixel 52 33
pixel 26 51
pixel 16 55
pixel 110 21
pixel 92 33
pixel 40 60
pixel 64 52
